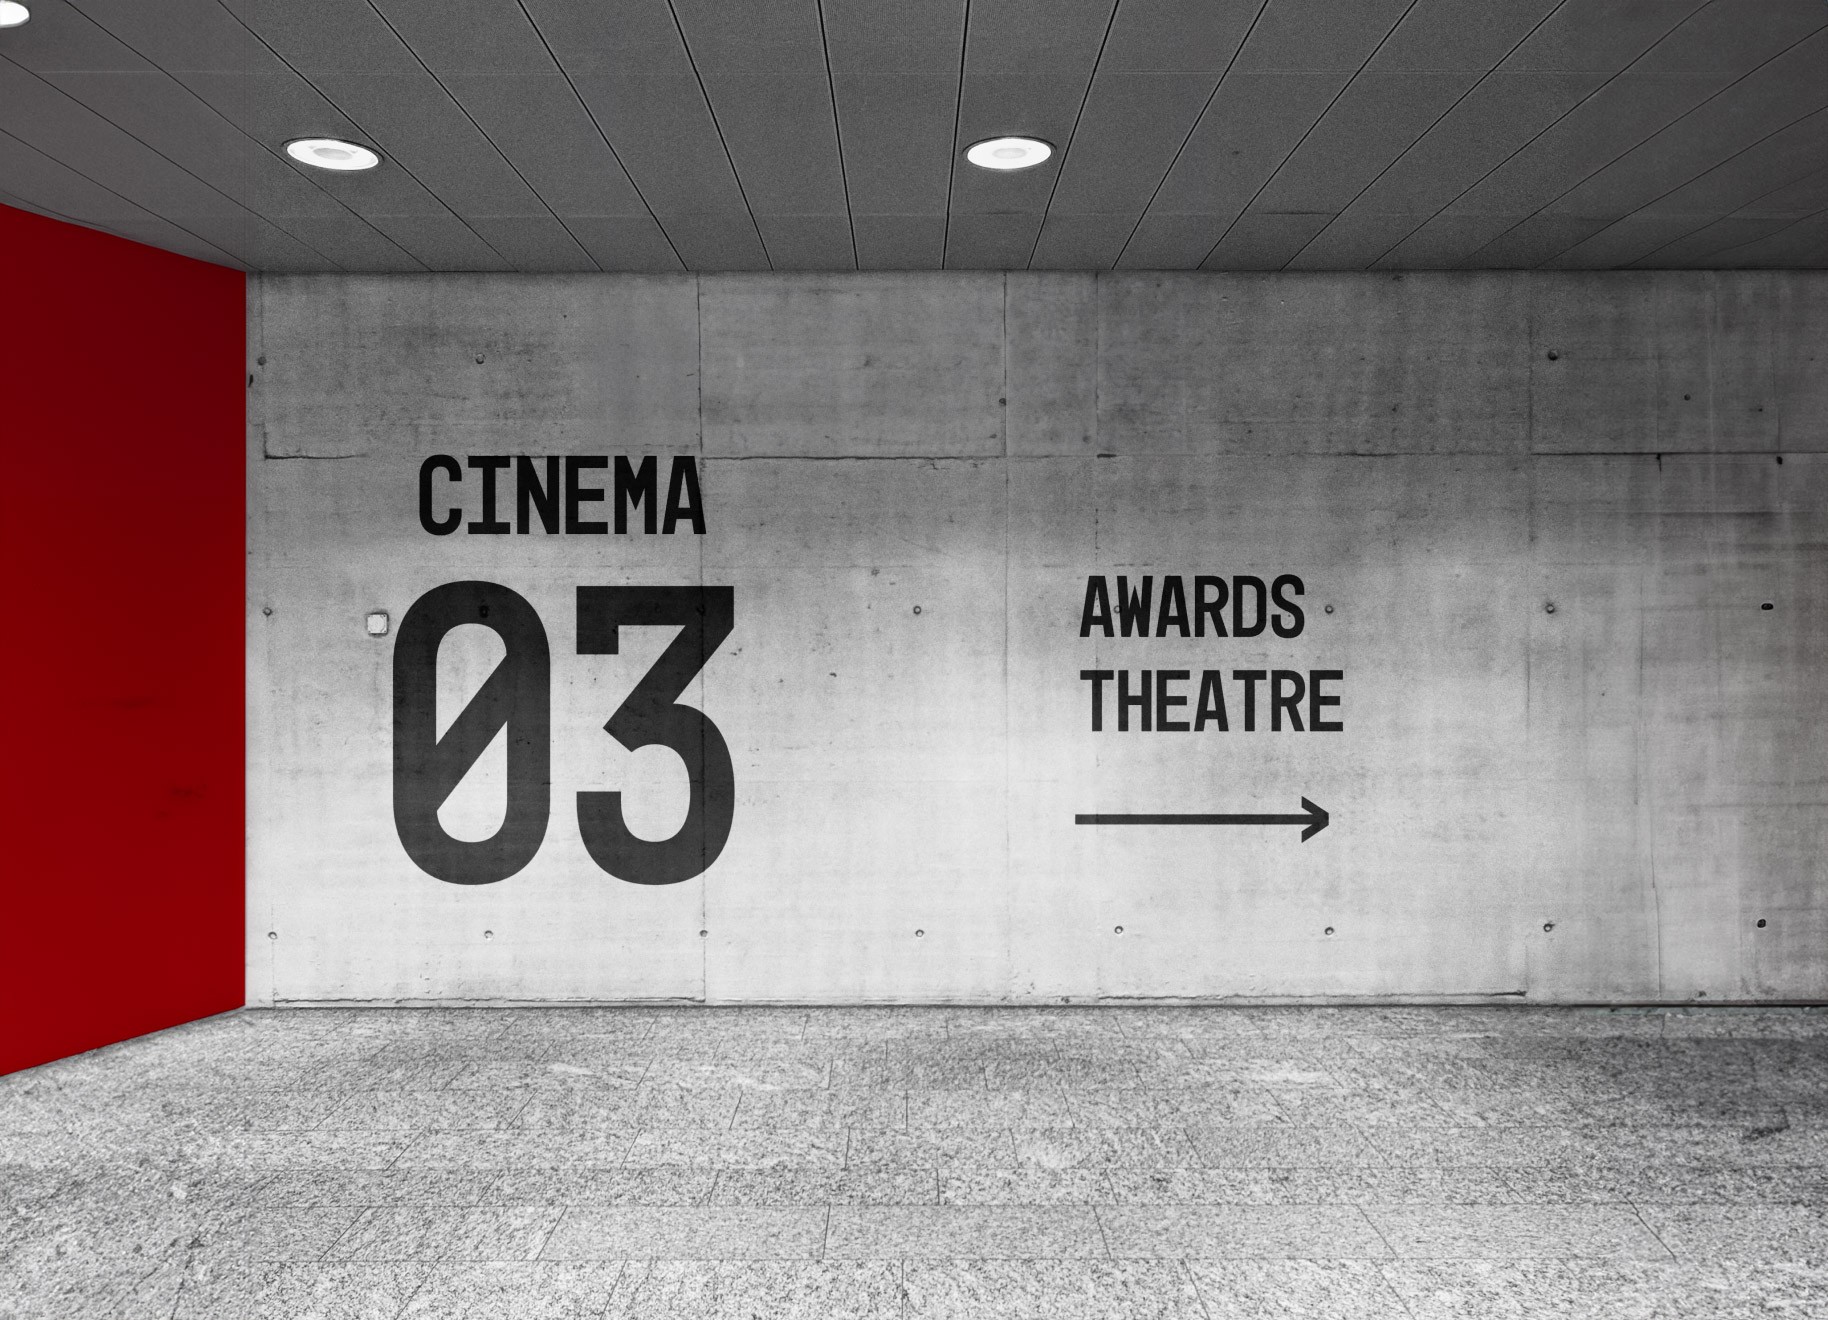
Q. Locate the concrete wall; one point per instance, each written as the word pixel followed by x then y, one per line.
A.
pixel 907 482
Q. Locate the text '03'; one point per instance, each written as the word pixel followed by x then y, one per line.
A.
pixel 517 697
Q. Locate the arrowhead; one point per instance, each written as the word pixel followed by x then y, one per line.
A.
pixel 1317 820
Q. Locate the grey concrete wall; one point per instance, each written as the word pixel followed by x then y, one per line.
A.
pixel 908 480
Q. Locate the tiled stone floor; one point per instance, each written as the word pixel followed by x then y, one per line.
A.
pixel 1343 1164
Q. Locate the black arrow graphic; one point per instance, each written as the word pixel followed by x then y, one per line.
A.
pixel 1315 818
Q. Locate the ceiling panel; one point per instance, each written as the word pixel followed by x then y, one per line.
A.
pixel 661 135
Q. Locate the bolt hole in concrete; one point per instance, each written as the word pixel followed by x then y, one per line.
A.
pixel 488 934
pixel 1549 608
pixel 1120 930
pixel 479 359
pixel 1767 606
pixel 1329 609
pixel 920 934
pixel 1548 926
pixel 272 934
pixel 1329 930
pixel 703 933
pixel 1553 355
pixel 267 610
pixel 1761 923
pixel 917 609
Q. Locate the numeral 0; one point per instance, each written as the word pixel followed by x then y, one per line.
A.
pixel 518 694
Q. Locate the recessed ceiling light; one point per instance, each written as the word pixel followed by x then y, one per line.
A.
pixel 331 154
pixel 12 13
pixel 1008 153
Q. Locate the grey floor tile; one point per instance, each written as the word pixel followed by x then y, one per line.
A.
pixel 939 1150
pixel 1014 1232
pixel 605 1111
pixel 387 1111
pixel 1274 1289
pixel 741 1148
pixel 1309 1231
pixel 744 1290
pixel 1255 1186
pixel 885 1111
pixel 1049 1290
pixel 751 1074
pixel 366 1187
pixel 1606 1290
pixel 548 1074
pixel 539 1290
pixel 825 1186
pixel 240 1291
pixel 980 1111
pixel 1278 1145
pixel 1023 1185
pixel 1164 1107
pixel 673 1185
pixel 484 1233
pixel 1515 1232
pixel 252 1234
pixel 673 1233
pixel 545 1149
pixel 1104 1148
pixel 1761 1184
pixel 1797 1233
pixel 294 1150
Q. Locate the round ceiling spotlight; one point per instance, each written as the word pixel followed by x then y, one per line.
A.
pixel 12 13
pixel 331 154
pixel 1008 153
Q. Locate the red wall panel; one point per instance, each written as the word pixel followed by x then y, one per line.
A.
pixel 124 458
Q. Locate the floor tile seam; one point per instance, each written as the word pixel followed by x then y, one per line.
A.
pixel 1193 1281
pixel 1650 1228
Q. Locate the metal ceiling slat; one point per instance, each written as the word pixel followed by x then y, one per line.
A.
pixel 1081 242
pixel 1712 196
pixel 168 117
pixel 441 240
pixel 1252 123
pixel 327 36
pixel 1027 67
pixel 1317 36
pixel 1497 118
pixel 64 129
pixel 1803 245
pixel 468 36
pixel 1715 236
pixel 899 242
pixel 1693 61
pixel 539 123
pixel 183 36
pixel 412 119
pixel 417 124
pixel 1713 131
pixel 1263 240
pixel 1614 118
pixel 47 184
pixel 532 242
pixel 1566 57
pixel 1776 95
pixel 912 36
pixel 895 84
pixel 762 65
pixel 581 134
pixel 630 66
pixel 896 131
pixel 203 42
pixel 625 243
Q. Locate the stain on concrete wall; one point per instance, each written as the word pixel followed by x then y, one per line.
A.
pixel 1563 538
